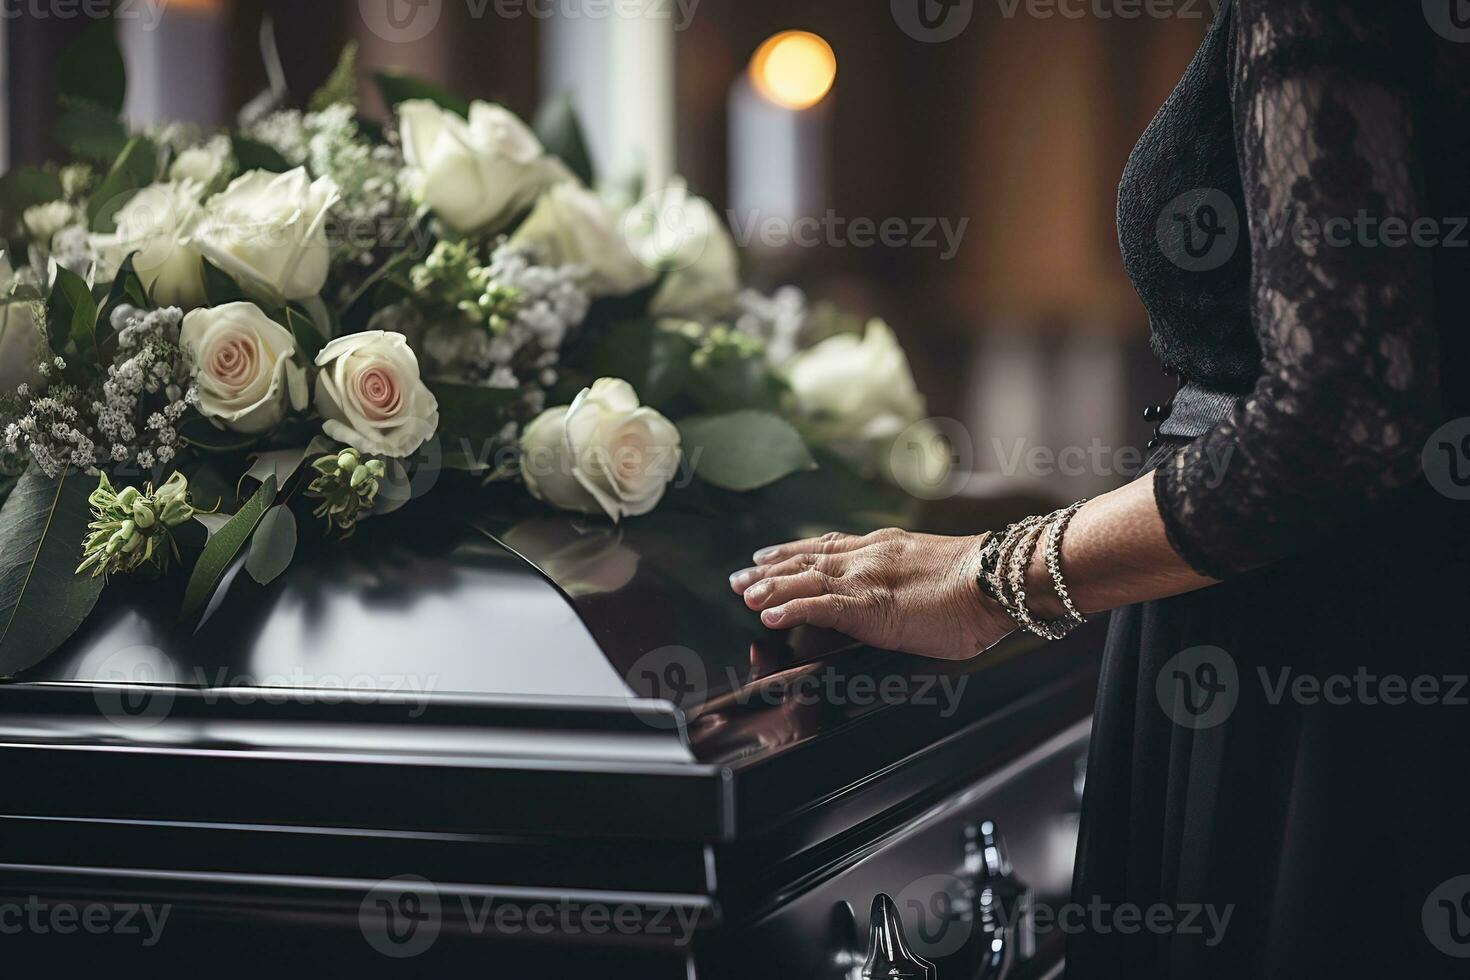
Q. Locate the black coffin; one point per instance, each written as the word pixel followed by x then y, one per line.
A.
pixel 539 746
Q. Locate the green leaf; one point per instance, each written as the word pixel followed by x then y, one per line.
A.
pixel 71 313
pixel 127 288
pixel 255 155
pixel 743 450
pixel 273 545
pixel 668 367
pixel 91 132
pixel 341 85
pixel 471 411
pixel 42 599
pixel 22 188
pixel 135 168
pixel 309 339
pixel 560 131
pixel 396 87
pixel 92 69
pixel 735 382
pixel 224 545
pixel 219 288
pixel 199 432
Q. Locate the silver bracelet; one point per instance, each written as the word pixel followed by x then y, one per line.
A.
pixel 1054 562
pixel 1005 559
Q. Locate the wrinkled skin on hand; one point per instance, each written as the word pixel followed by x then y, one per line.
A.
pixel 892 589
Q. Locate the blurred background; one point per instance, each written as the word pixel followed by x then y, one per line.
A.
pixel 948 165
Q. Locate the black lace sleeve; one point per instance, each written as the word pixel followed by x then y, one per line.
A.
pixel 1341 295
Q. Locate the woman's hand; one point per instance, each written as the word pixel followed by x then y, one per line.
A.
pixel 915 593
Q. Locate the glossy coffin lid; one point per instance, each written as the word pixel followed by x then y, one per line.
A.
pixel 529 673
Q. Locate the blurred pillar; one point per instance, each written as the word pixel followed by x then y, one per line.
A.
pixel 620 72
pixel 178 62
pixel 4 96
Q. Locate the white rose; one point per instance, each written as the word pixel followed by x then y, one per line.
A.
pixel 571 225
pixel 858 396
pixel 44 220
pixel 158 224
pixel 603 452
pixel 202 164
pixel 681 234
pixel 21 342
pixel 245 366
pixel 371 396
pixel 269 232
pixel 476 174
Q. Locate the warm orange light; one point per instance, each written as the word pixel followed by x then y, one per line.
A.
pixel 794 69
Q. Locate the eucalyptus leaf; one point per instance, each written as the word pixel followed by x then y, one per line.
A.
pixel 224 546
pixel 92 69
pixel 560 131
pixel 273 545
pixel 744 450
pixel 396 87
pixel 42 599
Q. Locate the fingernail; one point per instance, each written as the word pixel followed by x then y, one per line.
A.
pixel 758 593
pixel 766 554
pixel 741 577
pixel 772 617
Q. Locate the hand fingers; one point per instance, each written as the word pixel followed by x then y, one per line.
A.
pixel 784 588
pixel 831 543
pixel 835 612
pixel 826 564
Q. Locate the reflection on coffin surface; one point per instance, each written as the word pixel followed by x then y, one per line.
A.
pixel 551 745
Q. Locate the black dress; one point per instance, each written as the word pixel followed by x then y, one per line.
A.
pixel 1280 764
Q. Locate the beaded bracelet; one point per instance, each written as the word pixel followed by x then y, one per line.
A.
pixel 1006 557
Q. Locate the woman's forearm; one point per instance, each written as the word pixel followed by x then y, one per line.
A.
pixel 1115 553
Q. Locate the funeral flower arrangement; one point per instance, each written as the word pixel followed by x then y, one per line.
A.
pixel 315 315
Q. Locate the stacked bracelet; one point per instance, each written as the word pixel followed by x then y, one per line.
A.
pixel 1005 559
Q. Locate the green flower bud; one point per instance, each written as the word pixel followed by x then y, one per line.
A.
pixel 347 460
pixel 177 512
